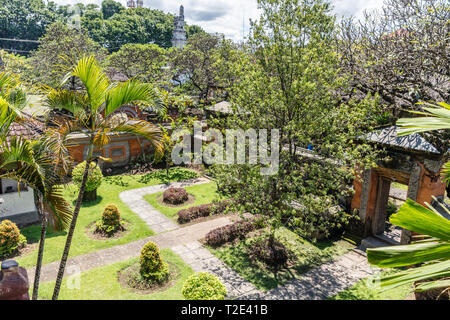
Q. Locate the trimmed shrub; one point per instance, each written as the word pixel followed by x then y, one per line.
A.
pixel 272 253
pixel 110 222
pixel 153 268
pixel 94 179
pixel 175 196
pixel 222 235
pixel 10 238
pixel 206 210
pixel 204 286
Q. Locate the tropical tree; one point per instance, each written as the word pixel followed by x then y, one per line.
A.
pixel 433 251
pixel 92 114
pixel 33 163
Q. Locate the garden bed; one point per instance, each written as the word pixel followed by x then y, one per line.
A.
pixel 103 283
pixel 306 255
pixel 108 193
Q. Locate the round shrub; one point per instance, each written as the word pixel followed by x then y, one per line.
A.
pixel 204 286
pixel 110 222
pixel 175 196
pixel 153 268
pixel 94 179
pixel 10 238
pixel 271 252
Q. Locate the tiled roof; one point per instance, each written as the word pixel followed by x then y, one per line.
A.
pixel 389 137
pixel 28 128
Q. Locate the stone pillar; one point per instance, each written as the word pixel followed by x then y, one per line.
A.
pixel 413 192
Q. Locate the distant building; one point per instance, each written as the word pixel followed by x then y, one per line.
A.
pixel 179 31
pixel 134 4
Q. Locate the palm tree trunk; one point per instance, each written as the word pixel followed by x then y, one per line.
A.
pixel 37 274
pixel 73 224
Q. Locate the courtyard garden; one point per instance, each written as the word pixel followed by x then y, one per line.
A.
pixel 108 193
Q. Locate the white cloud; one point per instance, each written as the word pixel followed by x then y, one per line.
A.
pixel 231 17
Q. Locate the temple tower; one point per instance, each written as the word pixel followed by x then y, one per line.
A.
pixel 179 32
pixel 140 3
pixel 131 4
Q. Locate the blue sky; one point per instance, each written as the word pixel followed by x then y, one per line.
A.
pixel 231 17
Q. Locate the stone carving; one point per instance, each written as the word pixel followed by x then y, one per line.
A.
pixel 179 32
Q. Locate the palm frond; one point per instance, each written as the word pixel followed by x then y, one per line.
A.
pixel 93 78
pixel 143 129
pixel 437 118
pixel 132 91
pixel 71 101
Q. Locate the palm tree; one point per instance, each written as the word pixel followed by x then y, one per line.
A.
pixel 434 251
pixel 92 114
pixel 31 162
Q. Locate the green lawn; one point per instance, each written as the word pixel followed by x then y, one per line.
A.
pixel 102 284
pixel 399 186
pixel 366 290
pixel 307 255
pixel 108 193
pixel 204 194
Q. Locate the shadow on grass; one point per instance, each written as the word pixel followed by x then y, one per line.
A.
pixel 33 233
pixel 88 204
pixel 236 257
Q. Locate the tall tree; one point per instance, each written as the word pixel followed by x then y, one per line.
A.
pixel 110 8
pixel 288 82
pixel 93 109
pixel 59 46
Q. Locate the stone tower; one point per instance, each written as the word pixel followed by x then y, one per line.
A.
pixel 140 3
pixel 179 31
pixel 131 4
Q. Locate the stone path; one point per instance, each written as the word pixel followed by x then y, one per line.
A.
pixel 202 260
pixel 156 221
pixel 319 283
pixel 130 250
pixel 322 282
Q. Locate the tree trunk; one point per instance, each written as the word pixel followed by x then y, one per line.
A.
pixel 37 274
pixel 73 224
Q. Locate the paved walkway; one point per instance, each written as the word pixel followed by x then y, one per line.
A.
pixel 319 283
pixel 322 282
pixel 130 250
pixel 156 221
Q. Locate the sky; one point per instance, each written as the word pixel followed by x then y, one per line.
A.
pixel 231 17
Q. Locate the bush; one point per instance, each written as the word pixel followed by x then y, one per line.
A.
pixel 269 251
pixel 94 179
pixel 10 238
pixel 204 286
pixel 153 268
pixel 110 222
pixel 206 210
pixel 222 235
pixel 175 196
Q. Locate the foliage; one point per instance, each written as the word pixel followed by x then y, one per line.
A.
pixel 272 253
pixel 395 52
pixel 153 268
pixel 202 63
pixel 24 20
pixel 110 8
pixel 147 62
pixel 228 233
pixel 287 82
pixel 61 46
pixel 95 176
pixel 10 238
pixel 434 251
pixel 175 174
pixel 205 210
pixel 111 221
pixel 175 196
pixel 204 286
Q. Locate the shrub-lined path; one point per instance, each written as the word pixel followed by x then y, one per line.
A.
pixel 319 283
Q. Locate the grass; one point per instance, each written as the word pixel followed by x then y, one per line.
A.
pixel 203 193
pixel 367 290
pixel 102 283
pixel 399 186
pixel 108 193
pixel 307 256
